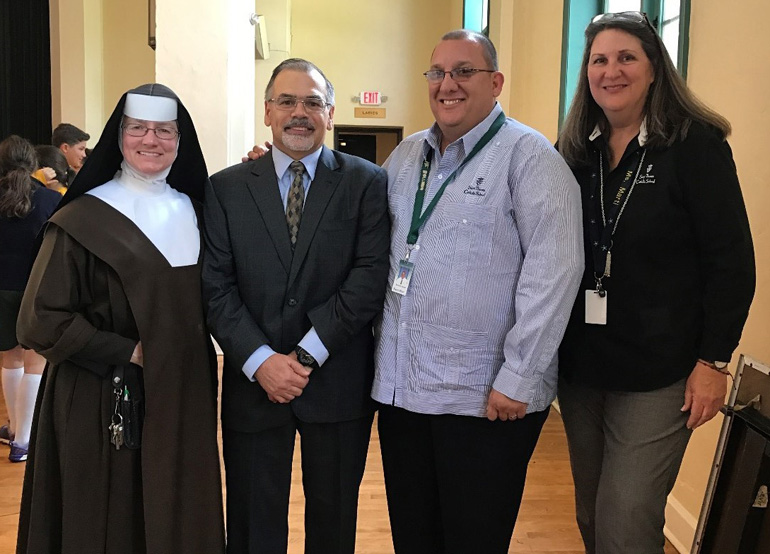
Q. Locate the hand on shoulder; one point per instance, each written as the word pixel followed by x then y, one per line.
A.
pixel 257 152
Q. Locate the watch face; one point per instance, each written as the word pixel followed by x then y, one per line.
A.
pixel 304 357
pixel 720 365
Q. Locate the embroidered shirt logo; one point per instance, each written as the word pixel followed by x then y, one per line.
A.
pixel 476 189
pixel 648 178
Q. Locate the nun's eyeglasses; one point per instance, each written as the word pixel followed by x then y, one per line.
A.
pixel 139 130
pixel 635 17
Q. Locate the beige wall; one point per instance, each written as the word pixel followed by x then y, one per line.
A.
pixel 76 64
pixel 534 45
pixel 96 51
pixel 277 15
pixel 205 53
pixel 366 46
pixel 93 40
pixel 94 67
pixel 128 60
pixel 501 35
pixel 68 60
pixel 100 50
pixel 724 74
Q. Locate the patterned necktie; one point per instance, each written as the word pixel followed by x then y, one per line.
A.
pixel 295 201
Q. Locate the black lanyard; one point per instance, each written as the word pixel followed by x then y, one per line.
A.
pixel 602 231
pixel 418 218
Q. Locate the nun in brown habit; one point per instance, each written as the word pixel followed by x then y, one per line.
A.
pixel 114 297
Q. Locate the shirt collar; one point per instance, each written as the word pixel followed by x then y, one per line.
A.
pixel 469 139
pixel 642 138
pixel 281 161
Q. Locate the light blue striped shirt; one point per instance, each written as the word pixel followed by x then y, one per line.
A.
pixel 497 268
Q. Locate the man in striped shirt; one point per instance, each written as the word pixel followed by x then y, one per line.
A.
pixel 466 356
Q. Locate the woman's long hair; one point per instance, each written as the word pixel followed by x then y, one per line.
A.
pixel 670 107
pixel 17 162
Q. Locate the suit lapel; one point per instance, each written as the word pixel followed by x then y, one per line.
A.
pixel 264 189
pixel 327 177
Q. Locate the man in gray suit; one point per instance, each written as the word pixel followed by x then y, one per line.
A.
pixel 294 272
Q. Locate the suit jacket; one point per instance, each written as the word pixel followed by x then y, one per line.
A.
pixel 257 292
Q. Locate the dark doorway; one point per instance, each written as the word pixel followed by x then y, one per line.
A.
pixel 364 146
pixel 371 143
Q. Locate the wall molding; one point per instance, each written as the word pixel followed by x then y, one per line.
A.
pixel 680 525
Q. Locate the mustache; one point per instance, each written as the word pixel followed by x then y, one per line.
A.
pixel 300 122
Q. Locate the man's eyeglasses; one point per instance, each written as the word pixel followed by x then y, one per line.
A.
pixel 635 17
pixel 458 75
pixel 286 103
pixel 139 130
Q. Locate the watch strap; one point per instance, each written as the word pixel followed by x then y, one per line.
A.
pixel 715 365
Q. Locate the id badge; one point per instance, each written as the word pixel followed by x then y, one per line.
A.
pixel 596 308
pixel 403 277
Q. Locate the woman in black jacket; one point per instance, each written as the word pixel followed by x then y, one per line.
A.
pixel 667 287
pixel 25 205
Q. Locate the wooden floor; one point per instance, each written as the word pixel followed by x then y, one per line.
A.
pixel 546 523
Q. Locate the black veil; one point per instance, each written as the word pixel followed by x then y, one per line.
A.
pixel 188 172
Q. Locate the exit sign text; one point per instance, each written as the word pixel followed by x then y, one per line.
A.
pixel 370 98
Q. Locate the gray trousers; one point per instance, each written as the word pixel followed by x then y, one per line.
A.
pixel 625 450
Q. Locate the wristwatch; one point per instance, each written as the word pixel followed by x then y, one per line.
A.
pixel 718 366
pixel 305 358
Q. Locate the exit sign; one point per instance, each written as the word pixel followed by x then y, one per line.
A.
pixel 370 98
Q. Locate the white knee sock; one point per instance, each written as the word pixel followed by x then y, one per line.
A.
pixel 11 380
pixel 25 407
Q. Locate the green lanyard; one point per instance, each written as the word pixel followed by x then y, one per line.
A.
pixel 419 219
